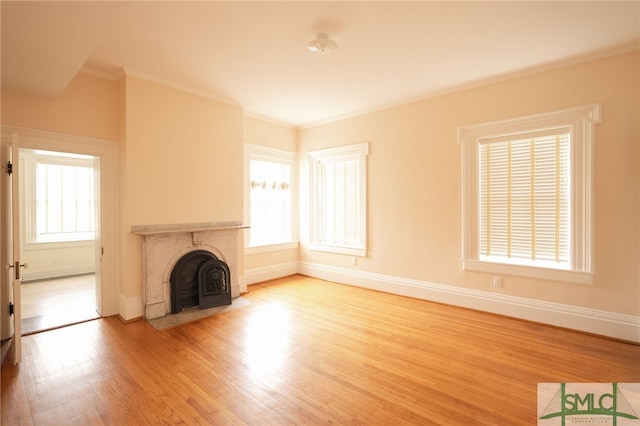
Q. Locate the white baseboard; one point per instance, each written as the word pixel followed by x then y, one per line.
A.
pixel 130 307
pixel 56 273
pixel 266 273
pixel 620 326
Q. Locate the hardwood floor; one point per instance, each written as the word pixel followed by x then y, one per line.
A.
pixel 306 351
pixel 58 302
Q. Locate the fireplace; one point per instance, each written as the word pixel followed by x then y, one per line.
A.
pixel 205 252
pixel 200 279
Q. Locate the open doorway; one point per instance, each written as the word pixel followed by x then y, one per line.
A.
pixel 105 155
pixel 59 199
pixel 58 302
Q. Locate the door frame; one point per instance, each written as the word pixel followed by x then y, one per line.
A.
pixel 7 253
pixel 106 235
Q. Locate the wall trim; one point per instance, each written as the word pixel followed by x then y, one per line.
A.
pixel 271 272
pixel 605 323
pixel 130 307
pixel 52 274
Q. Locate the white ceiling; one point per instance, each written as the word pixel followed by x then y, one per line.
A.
pixel 254 54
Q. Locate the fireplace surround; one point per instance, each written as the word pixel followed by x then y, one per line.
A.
pixel 165 245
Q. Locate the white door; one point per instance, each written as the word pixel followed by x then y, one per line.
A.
pixel 17 265
pixel 11 245
pixel 6 249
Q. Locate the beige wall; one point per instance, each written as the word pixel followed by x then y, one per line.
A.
pixel 182 163
pixel 46 262
pixel 270 134
pixel 88 107
pixel 183 156
pixel 415 189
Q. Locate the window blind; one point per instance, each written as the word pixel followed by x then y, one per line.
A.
pixel 524 192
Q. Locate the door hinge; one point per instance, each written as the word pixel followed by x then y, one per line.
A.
pixel 10 309
pixel 9 168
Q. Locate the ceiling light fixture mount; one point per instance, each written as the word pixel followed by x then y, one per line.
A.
pixel 322 44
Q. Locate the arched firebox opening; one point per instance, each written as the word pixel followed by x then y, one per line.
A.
pixel 200 279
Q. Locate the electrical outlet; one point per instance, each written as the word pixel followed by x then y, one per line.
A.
pixel 497 281
pixel 354 260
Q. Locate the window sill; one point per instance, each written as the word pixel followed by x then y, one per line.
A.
pixel 549 274
pixel 270 248
pixel 352 251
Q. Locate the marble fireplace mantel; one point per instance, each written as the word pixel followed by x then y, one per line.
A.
pixel 164 245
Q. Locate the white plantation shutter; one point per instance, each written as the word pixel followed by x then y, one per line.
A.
pixel 338 199
pixel 524 199
pixel 339 207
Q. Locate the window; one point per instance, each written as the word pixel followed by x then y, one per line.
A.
pixel 270 188
pixel 338 199
pixel 524 199
pixel 527 195
pixel 60 196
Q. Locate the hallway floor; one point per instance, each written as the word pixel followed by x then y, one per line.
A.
pixel 56 303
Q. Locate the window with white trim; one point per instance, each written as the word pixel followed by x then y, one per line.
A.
pixel 338 178
pixel 271 194
pixel 60 192
pixel 527 195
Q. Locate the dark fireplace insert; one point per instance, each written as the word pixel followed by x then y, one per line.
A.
pixel 200 279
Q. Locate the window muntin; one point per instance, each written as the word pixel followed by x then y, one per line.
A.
pixel 271 194
pixel 65 203
pixel 548 237
pixel 338 199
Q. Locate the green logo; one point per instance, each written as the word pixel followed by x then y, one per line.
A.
pixel 586 403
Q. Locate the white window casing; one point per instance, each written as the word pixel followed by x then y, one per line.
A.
pixel 60 201
pixel 270 199
pixel 338 202
pixel 570 133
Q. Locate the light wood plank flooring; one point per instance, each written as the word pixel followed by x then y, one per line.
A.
pixel 306 352
pixel 57 302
